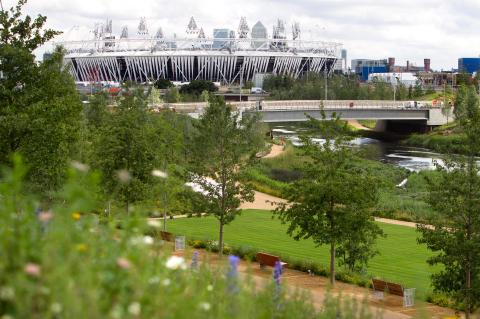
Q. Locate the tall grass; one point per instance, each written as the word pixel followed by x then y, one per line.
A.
pixel 62 261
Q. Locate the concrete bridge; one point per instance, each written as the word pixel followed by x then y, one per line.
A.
pixel 422 113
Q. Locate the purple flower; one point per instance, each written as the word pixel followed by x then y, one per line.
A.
pixel 194 264
pixel 232 275
pixel 277 273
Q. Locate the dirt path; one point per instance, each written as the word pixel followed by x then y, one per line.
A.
pixel 391 306
pixel 263 201
pixel 275 151
pixel 357 125
pixel 396 222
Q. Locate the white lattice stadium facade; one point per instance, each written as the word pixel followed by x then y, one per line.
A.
pixel 184 60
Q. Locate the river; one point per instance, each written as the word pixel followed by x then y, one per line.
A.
pixel 412 158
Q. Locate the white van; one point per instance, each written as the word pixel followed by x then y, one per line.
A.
pixel 256 90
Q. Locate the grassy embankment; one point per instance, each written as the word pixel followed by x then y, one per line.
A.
pixel 400 260
pixel 444 139
pixel 273 175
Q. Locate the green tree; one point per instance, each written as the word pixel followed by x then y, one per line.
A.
pixel 221 143
pixel 417 90
pixel 454 233
pixel 125 153
pixel 332 203
pixel 154 98
pixel 196 87
pixel 40 110
pixel 172 95
pixel 163 84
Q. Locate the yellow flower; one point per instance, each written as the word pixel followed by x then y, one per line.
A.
pixel 76 215
pixel 81 247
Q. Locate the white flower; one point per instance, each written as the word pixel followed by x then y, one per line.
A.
pixel 166 282
pixel 124 176
pixel 159 174
pixel 148 240
pixel 135 308
pixel 205 306
pixel 7 293
pixel 175 262
pixel 80 166
pixel 6 317
pixel 154 223
pixel 209 288
pixel 116 312
pixel 141 240
pixel 56 307
pixel 154 280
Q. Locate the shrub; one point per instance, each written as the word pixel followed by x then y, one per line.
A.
pixel 196 87
pixel 163 84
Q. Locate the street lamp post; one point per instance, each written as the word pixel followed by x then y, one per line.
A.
pixel 163 175
pixel 326 82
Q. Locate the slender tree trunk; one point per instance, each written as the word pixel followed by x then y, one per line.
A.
pixel 468 286
pixel 220 240
pixel 164 212
pixel 332 263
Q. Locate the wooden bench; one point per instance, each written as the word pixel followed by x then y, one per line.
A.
pixel 265 259
pixel 381 286
pixel 167 236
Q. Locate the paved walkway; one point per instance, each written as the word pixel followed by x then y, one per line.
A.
pixel 391 306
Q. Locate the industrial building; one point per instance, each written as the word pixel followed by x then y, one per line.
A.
pixel 469 65
pixel 364 67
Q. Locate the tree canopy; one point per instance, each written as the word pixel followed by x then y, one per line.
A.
pixel 330 204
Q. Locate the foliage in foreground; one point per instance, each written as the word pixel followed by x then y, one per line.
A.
pixel 454 234
pixel 67 263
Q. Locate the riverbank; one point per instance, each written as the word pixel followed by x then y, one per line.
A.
pixel 444 139
pixel 273 176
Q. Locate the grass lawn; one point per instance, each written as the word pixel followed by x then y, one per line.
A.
pixel 401 259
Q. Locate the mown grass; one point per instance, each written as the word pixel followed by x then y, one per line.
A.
pixel 401 259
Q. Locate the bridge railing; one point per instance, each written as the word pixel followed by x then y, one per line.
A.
pixel 343 104
pixel 306 105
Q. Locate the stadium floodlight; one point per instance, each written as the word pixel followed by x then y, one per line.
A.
pixel 124 34
pixel 142 27
pixel 243 28
pixel 295 31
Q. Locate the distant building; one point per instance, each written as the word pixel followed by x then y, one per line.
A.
pixel 341 64
pixel 363 67
pixel 259 32
pixel 407 79
pixel 469 65
pixel 220 34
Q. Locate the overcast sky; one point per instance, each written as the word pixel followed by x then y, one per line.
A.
pixel 442 30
